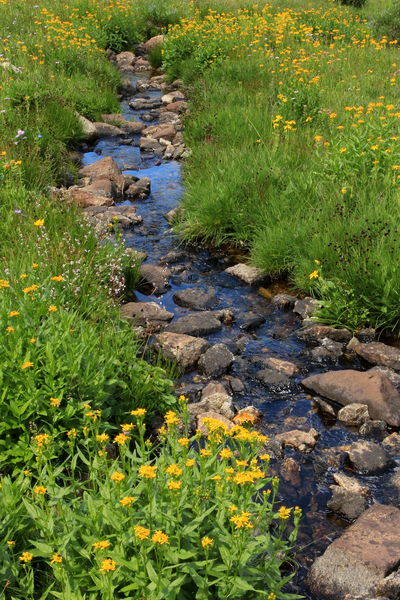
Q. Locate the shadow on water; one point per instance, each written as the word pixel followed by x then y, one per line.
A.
pixel 305 477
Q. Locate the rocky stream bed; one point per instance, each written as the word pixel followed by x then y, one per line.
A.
pixel 329 402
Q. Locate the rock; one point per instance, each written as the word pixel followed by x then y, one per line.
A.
pixel 144 104
pixel 85 199
pixel 153 43
pixel 216 360
pixel 101 187
pixel 301 440
pixel 395 480
pixel 141 65
pixel 139 190
pixel 358 561
pixel 248 321
pixel 125 59
pixel 306 307
pixel 202 426
pixel 314 334
pixel 148 144
pixel 214 387
pixel 392 443
pixel 349 387
pixel 119 216
pixel 236 384
pixel 246 273
pixel 219 403
pixel 198 324
pixel 107 130
pixel 326 408
pixel 389 373
pixel 379 354
pixel 132 127
pixel 350 484
pixel 195 298
pixel 156 277
pixel 146 314
pixel 88 128
pixel 184 349
pixel 353 414
pixel 283 301
pixel 173 215
pixel 178 107
pixel 138 256
pixel 367 457
pixel 390 586
pixel 104 168
pixel 172 97
pixel 283 366
pixel 273 378
pixel 249 410
pixel 165 131
pixel 290 471
pixel 377 429
pixel 365 335
pixel 349 505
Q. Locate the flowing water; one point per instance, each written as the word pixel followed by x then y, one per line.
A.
pixel 306 481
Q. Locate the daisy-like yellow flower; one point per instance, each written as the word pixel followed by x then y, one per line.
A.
pixel 174 470
pixel 57 278
pixel 14 313
pixel 160 538
pixel 147 471
pixel 284 513
pixel 141 532
pixel 108 565
pixel 139 412
pixel 9 328
pixel 101 545
pixel 314 275
pixel 27 365
pixel 190 462
pixel 174 485
pixel 33 340
pixel 127 501
pixel 39 223
pixel 226 453
pixel 40 490
pixel 55 402
pixel 10 543
pixel 102 437
pixel 53 308
pixel 184 441
pixel 206 541
pixel 56 559
pixel 72 433
pixel 26 557
pixel 121 439
pixel 117 477
pixel 205 452
pixel 242 521
pixel 171 418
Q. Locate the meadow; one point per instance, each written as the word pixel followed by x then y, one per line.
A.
pixel 92 506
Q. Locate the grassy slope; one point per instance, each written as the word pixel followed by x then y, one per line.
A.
pixel 323 188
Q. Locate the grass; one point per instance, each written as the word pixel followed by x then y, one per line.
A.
pixel 296 109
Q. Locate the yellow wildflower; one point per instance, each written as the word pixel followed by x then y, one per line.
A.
pixel 141 532
pixel 160 538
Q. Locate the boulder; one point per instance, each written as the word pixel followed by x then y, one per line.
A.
pixel 141 65
pixel 367 457
pixel 172 97
pixel 184 349
pixel 104 168
pixel 326 408
pixel 358 562
pixel 154 42
pixel 376 429
pixel 218 403
pixel 283 366
pixel 306 307
pixel 165 131
pixel 314 334
pixel 248 410
pixel 156 277
pixel 301 440
pixel 389 373
pixel 216 360
pixel 349 387
pixel 198 324
pixel 283 301
pixel 178 106
pixel 273 378
pixel 349 505
pixel 146 314
pixel 101 187
pixel 350 484
pixel 107 130
pixel 246 273
pixel 353 414
pixel 85 199
pixel 379 354
pixel 88 128
pixel 139 190
pixel 195 298
pixel 214 387
pixel 132 127
pixel 392 443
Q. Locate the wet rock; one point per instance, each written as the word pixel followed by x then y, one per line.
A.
pixel 191 390
pixel 321 354
pixel 349 505
pixel 366 335
pixel 218 403
pixel 306 307
pixel 290 471
pixel 139 190
pixel 198 324
pixel 350 484
pixel 357 562
pixel 249 321
pixel 86 199
pixel 237 386
pixel 349 387
pixel 379 354
pixel 326 408
pixel 216 360
pixel 273 378
pixel 283 301
pixel 107 130
pixel 137 255
pixel 353 414
pixel 314 334
pixel 146 314
pixel 144 104
pixel 392 443
pixel 246 273
pixel 156 277
pixel 153 43
pixel 214 387
pixel 195 299
pixel 184 349
pixel 148 144
pixel 172 97
pixel 389 373
pixel 165 131
pixel 172 257
pixel 367 457
pixel 376 429
pixel 104 168
pixel 202 421
pixel 283 366
pixel 301 440
pixel 132 127
pixel 330 458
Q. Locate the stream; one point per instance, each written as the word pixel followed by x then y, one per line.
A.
pixel 305 476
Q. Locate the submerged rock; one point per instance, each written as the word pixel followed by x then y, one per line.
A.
pixel 358 562
pixel 249 320
pixel 367 457
pixel 273 378
pixel 349 387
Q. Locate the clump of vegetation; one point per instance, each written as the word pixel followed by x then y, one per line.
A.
pixel 177 518
pixel 388 22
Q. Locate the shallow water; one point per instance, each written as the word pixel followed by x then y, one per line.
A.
pixel 283 410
